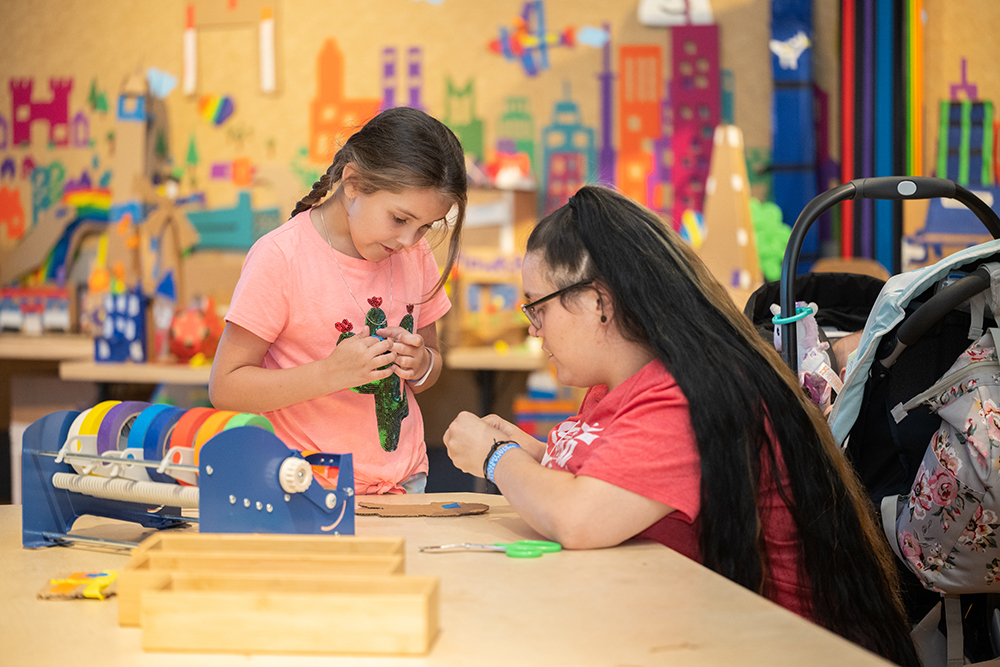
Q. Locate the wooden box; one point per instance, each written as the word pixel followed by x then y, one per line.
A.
pixel 164 541
pixel 163 554
pixel 286 613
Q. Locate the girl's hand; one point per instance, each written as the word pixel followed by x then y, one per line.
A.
pixel 412 356
pixel 468 440
pixel 361 359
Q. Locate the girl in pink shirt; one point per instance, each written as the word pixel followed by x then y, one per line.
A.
pixel 332 326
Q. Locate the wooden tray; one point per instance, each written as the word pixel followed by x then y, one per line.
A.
pixel 286 613
pixel 275 543
pixel 163 554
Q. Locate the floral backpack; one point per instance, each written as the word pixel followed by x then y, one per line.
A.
pixel 946 529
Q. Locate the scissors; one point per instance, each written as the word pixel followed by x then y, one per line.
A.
pixel 519 549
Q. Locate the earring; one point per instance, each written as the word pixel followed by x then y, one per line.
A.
pixel 603 319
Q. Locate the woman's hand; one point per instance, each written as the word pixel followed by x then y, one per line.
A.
pixel 529 443
pixel 413 358
pixel 468 440
pixel 361 359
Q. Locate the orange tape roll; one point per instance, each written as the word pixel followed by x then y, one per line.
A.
pixel 214 424
pixel 92 423
pixel 187 426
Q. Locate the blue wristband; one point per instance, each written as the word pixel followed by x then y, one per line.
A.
pixel 495 458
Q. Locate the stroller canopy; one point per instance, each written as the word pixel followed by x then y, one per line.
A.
pixel 888 312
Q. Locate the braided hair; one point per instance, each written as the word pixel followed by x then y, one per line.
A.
pixel 401 148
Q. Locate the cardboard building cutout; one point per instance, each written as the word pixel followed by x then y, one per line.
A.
pixel 729 248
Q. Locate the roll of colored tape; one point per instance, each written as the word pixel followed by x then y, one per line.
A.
pixel 183 437
pixel 74 430
pixel 188 425
pixel 140 429
pixel 157 438
pixel 112 435
pixel 137 436
pixel 95 416
pixel 210 427
pixel 250 419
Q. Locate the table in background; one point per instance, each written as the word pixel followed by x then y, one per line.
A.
pixel 134 373
pixel 70 357
pixel 486 362
pixel 637 604
pixel 30 355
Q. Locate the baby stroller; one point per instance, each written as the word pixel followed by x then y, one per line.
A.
pixel 918 329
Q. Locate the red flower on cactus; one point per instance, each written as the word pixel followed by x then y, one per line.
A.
pixel 375 301
pixel 344 326
pixel 409 308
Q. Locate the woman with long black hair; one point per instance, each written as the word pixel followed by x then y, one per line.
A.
pixel 693 432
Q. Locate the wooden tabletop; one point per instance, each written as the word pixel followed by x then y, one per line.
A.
pixel 637 604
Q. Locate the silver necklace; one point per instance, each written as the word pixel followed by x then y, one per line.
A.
pixel 342 277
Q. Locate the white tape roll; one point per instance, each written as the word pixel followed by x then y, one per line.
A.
pixel 74 446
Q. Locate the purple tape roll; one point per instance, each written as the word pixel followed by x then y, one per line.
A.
pixel 113 431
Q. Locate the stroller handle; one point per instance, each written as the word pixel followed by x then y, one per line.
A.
pixel 883 187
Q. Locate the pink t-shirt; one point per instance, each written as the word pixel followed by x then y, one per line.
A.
pixel 639 438
pixel 292 294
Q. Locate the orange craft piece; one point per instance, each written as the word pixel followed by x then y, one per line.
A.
pixel 99 280
pixel 194 330
pixel 124 224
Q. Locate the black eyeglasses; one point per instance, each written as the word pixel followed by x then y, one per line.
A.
pixel 529 308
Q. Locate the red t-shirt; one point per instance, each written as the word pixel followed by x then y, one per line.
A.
pixel 639 437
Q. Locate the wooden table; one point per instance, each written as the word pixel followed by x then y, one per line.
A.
pixel 637 604
pixel 22 355
pixel 487 358
pixel 486 362
pixel 51 346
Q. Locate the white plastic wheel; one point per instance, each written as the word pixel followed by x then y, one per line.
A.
pixel 295 475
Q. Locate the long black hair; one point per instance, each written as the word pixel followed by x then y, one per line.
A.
pixel 397 149
pixel 748 414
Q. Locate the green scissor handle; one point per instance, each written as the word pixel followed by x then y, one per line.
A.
pixel 529 548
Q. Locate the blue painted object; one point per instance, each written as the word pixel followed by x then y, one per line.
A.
pixel 225 227
pixel 132 108
pixel 793 144
pixel 123 331
pixel 243 483
pixel 569 155
pixel 48 512
pixel 886 240
pixel 132 208
pixel 233 228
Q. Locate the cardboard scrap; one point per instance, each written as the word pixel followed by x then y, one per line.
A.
pixel 370 508
pixel 30 253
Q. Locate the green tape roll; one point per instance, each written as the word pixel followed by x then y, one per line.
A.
pixel 249 419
